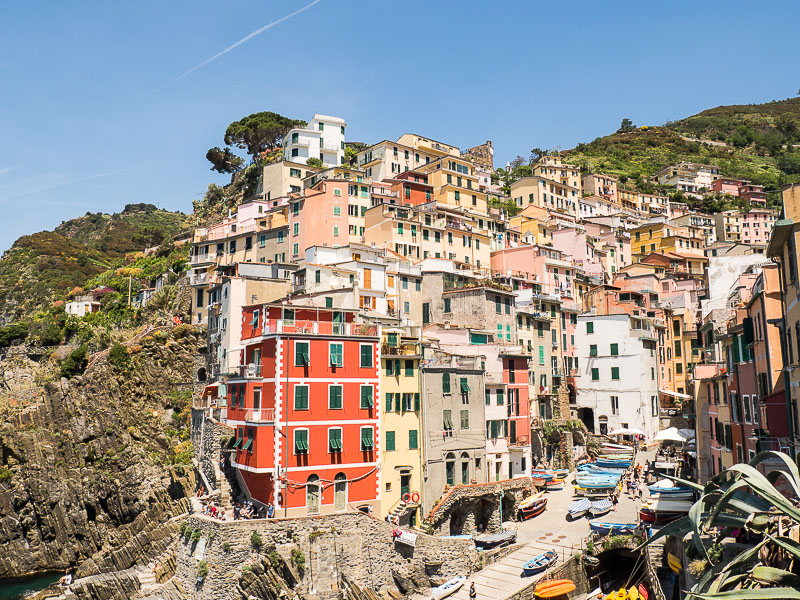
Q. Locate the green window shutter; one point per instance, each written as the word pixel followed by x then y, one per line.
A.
pixel 615 373
pixel 335 397
pixel 735 349
pixel 487 397
pixel 409 368
pixel 335 353
pixel 389 364
pixel 416 401
pixel 238 442
pixel 389 399
pixel 398 402
pixel 389 441
pixel 301 397
pixel 366 396
pixel 541 355
pixel 593 350
pixel 413 442
pixel 500 397
pixel 589 327
pixel 366 438
pixel 464 419
pixel 447 305
pixel 248 444
pixel 254 320
pixel 335 439
pixel 366 356
pixel 595 374
pixel 464 385
pixel 301 353
pixel 614 349
pixel 301 440
pixel 391 340
pixel 445 383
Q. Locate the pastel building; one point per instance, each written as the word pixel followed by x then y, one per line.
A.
pixel 306 412
pixel 757 224
pixel 595 184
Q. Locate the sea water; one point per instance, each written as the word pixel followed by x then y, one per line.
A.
pixel 15 589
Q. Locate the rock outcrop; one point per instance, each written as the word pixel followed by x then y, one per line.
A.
pixel 92 469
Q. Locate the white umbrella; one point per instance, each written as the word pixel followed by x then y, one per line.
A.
pixel 669 435
pixel 634 431
pixel 621 431
pixel 688 434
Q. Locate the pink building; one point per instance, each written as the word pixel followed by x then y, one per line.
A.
pixel 757 225
pixel 600 185
pixel 726 185
pixel 548 267
pixel 754 194
pixel 576 244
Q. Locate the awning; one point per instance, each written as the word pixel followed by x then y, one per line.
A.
pixel 675 394
pixel 210 389
pixel 248 444
pixel 237 443
pixel 366 439
pixel 670 434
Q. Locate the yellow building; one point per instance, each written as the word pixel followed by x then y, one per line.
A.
pixel 664 238
pixel 551 167
pixel 546 193
pixel 533 220
pixel 401 459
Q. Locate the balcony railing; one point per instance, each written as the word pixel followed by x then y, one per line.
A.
pixel 316 328
pixel 260 415
pixel 519 441
pixel 404 349
pixel 249 371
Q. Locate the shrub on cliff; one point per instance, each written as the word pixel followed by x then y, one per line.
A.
pixel 255 540
pixel 12 333
pixel 118 357
pixel 75 363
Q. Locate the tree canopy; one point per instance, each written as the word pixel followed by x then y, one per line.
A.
pixel 224 161
pixel 259 131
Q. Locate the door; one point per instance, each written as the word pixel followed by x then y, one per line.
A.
pixel 312 494
pixel 465 472
pixel 426 313
pixel 338 328
pixel 367 279
pixel 340 491
pixel 405 484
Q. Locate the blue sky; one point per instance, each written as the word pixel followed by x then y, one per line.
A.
pixel 92 116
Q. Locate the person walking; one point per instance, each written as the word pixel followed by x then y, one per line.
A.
pixel 472 593
pixel 614 500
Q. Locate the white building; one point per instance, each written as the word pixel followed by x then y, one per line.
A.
pixel 322 138
pixel 82 305
pixel 619 383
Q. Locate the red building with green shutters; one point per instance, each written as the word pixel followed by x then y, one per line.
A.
pixel 305 410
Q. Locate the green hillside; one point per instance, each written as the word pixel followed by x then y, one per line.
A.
pixel 755 142
pixel 45 266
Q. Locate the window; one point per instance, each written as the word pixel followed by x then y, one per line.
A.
pixel 301 358
pixel 300 441
pixel 295 249
pixel 367 440
pixel 500 399
pixel 301 397
pixel 592 350
pixel 497 305
pixel 447 422
pixel 464 391
pixel 614 349
pixel 464 419
pixel 654 406
pixel 317 276
pixel 589 327
pixel 615 373
pixel 392 367
pixel 366 355
pixel 335 439
pixel 337 210
pixel 295 228
pixel 413 440
pixel 487 395
pixel 447 305
pixel 614 405
pixel 445 383
pixel 366 396
pixel 595 374
pixel 541 355
pixel 409 368
pixel 335 355
pixel 335 397
pixel 389 441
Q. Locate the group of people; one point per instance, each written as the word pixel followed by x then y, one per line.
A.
pixel 247 510
pixel 634 486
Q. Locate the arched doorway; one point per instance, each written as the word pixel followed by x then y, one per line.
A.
pixel 312 494
pixel 464 467
pixel 340 491
pixel 201 374
pixel 586 415
pixel 450 468
pixel 603 423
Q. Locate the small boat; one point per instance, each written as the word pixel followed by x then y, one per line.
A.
pixel 554 588
pixel 600 507
pixel 541 474
pixel 560 473
pixel 492 540
pixel 612 528
pixel 555 485
pixel 642 591
pixel 664 510
pixel 534 509
pixel 608 463
pixel 591 492
pixel 610 448
pixel 527 502
pixel 633 593
pixel 674 562
pixel 539 483
pixel 447 588
pixel 462 536
pixel 539 563
pixel 579 508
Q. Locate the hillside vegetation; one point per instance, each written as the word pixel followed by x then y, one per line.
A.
pixel 41 268
pixel 755 142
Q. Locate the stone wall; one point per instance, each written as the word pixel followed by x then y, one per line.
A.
pixel 479 507
pixel 206 436
pixel 572 569
pixel 351 544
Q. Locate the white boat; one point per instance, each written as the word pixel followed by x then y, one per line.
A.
pixel 579 508
pixel 448 587
pixel 600 507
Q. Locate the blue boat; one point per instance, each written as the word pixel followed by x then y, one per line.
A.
pixel 539 564
pixel 603 470
pixel 616 464
pixel 447 588
pixel 612 528
pixel 600 507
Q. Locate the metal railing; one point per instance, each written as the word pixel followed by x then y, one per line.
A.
pixel 260 415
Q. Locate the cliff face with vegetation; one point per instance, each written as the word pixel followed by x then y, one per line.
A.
pixel 45 266
pixel 92 467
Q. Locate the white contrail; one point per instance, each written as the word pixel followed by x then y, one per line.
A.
pixel 249 36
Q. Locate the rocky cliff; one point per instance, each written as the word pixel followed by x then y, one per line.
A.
pixel 92 469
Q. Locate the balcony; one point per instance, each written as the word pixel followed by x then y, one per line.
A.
pixel 203 259
pixel 519 442
pixel 402 349
pixel 260 415
pixel 198 278
pixel 251 371
pixel 316 328
pixel 452 361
